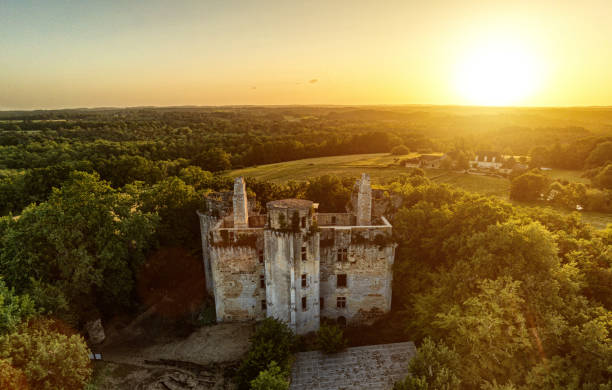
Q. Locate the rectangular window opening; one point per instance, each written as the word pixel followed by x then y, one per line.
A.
pixel 341 280
pixel 333 220
pixel 341 302
pixel 303 280
pixel 303 222
pixel 260 254
pixel 304 253
pixel 264 305
pixel 321 303
pixel 304 307
pixel 262 281
pixel 342 254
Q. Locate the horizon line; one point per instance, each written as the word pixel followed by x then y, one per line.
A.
pixel 314 105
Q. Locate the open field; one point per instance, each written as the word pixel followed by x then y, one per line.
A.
pixel 382 168
pixel 569 175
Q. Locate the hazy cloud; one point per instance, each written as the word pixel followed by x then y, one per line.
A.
pixel 313 81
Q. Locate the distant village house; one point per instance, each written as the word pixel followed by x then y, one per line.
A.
pixel 485 160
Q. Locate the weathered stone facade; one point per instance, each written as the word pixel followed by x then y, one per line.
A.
pixel 295 264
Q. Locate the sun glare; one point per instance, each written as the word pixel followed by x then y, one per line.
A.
pixel 497 74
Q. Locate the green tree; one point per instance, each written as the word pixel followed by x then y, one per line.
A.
pixel 176 203
pixel 411 383
pixel 400 150
pixel 272 378
pixel 489 333
pixel 435 366
pixel 528 186
pixel 49 359
pixel 214 160
pixel 272 341
pixel 12 378
pixel 462 161
pixel 13 309
pixel 601 155
pixel 83 244
pixel 196 177
pixel 540 157
pixel 603 179
pixel 331 192
pixel 330 338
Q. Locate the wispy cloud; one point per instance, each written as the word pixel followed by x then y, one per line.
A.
pixel 312 81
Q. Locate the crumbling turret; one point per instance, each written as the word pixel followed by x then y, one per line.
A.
pixel 364 201
pixel 241 213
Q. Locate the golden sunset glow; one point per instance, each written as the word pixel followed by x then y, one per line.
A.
pixel 469 52
pixel 498 74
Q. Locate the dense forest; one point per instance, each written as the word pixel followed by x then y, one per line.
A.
pixel 496 296
pixel 38 149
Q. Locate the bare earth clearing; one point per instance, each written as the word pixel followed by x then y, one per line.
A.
pixel 205 359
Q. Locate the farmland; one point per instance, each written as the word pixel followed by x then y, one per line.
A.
pixel 382 168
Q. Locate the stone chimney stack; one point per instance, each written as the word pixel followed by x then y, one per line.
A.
pixel 241 213
pixel 364 201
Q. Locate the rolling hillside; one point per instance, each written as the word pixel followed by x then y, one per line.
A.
pixel 382 168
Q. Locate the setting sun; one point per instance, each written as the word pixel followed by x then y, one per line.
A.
pixel 497 74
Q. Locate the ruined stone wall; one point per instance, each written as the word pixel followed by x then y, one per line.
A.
pixel 286 219
pixel 280 275
pixel 336 219
pixel 280 265
pixel 367 265
pixel 236 270
pixel 257 220
pixel 292 252
pixel 307 318
pixel 207 223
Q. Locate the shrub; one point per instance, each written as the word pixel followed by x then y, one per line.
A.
pixel 206 316
pixel 330 339
pixel 434 367
pixel 13 309
pixel 400 150
pixel 11 378
pixel 272 341
pixel 48 358
pixel 271 379
pixel 411 383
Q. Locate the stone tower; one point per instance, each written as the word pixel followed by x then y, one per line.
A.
pixel 292 265
pixel 364 201
pixel 241 213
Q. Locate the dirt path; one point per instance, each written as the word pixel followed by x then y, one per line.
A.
pixel 203 360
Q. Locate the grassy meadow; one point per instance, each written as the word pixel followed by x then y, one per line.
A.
pixel 382 167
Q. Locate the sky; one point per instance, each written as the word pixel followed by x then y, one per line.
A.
pixel 59 54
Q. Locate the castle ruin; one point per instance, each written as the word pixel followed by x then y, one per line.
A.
pixel 296 264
